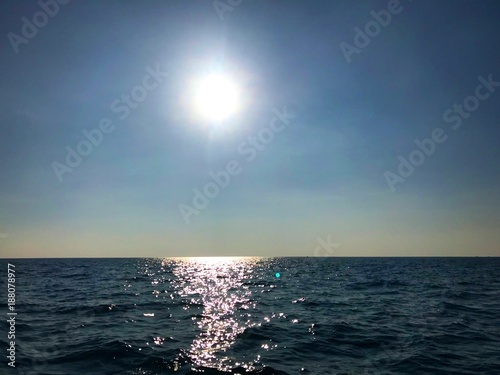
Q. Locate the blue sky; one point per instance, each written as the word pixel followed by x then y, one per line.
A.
pixel 322 176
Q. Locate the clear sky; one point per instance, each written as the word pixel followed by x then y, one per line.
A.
pixel 362 128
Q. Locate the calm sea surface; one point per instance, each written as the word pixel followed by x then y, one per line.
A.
pixel 261 316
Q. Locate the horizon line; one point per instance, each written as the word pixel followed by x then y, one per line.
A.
pixel 266 257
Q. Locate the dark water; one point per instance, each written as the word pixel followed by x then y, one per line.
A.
pixel 321 316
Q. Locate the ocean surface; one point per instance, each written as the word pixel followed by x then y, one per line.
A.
pixel 254 315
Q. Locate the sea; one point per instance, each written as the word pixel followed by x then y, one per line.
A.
pixel 264 316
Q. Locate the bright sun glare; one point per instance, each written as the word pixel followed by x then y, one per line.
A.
pixel 217 97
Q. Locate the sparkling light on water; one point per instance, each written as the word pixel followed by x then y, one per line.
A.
pixel 217 285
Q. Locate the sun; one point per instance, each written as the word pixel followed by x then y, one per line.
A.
pixel 217 97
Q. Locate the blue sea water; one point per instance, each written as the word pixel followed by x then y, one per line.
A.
pixel 254 315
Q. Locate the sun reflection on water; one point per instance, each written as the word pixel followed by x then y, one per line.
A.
pixel 216 283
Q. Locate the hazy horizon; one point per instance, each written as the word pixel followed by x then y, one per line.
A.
pixel 260 257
